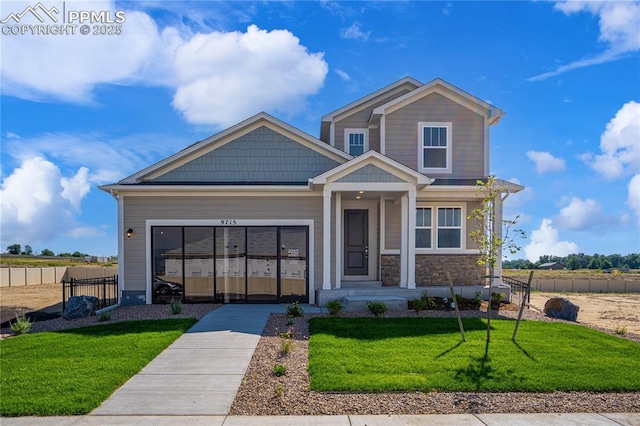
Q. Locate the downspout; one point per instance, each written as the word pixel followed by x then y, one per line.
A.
pixel 120 264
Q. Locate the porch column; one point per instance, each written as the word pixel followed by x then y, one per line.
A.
pixel 326 240
pixel 404 240
pixel 497 230
pixel 411 261
pixel 338 253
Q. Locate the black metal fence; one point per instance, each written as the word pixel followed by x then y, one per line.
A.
pixel 518 289
pixel 105 289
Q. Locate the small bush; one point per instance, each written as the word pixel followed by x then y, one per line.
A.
pixel 279 370
pixel 21 325
pixel 286 346
pixel 377 308
pixel 175 307
pixel 295 310
pixel 334 307
pixel 429 301
pixel 417 305
pixel 289 320
pixel 287 334
pixel 621 330
pixel 477 299
pixel 278 390
pixel 104 316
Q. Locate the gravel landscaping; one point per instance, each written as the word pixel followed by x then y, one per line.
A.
pixel 262 393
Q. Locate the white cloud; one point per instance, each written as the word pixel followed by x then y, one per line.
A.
pixel 220 78
pixel 582 214
pixel 226 77
pixel 343 75
pixel 619 144
pixel 76 64
pixel 619 23
pixel 75 188
pixel 633 198
pixel 33 207
pixel 85 231
pixel 545 162
pixel 354 32
pixel 546 241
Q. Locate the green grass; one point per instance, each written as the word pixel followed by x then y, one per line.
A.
pixel 73 371
pixel 406 354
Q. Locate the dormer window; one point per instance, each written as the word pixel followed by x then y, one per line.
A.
pixel 356 141
pixel 434 147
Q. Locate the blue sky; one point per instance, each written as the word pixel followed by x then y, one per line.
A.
pixel 79 110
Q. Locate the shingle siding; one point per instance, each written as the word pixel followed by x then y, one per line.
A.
pixel 370 173
pixel 468 134
pixel 261 155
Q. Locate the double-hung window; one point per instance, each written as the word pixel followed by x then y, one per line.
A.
pixel 449 227
pixel 434 141
pixel 423 227
pixel 356 141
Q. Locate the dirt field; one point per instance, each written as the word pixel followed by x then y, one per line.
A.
pixel 27 299
pixel 606 310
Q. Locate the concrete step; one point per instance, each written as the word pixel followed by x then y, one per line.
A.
pixel 361 284
pixel 359 303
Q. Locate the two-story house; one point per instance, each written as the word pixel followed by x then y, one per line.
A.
pixel 263 212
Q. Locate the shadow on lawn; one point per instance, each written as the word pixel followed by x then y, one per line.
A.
pixel 132 327
pixel 387 328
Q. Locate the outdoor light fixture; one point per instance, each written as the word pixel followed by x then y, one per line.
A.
pixel 129 232
pixel 360 192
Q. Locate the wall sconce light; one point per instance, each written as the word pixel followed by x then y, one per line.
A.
pixel 129 232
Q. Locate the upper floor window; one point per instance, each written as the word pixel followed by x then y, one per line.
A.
pixel 435 147
pixel 356 141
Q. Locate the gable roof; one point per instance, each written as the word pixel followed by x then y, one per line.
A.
pixel 220 139
pixel 492 113
pixel 405 83
pixel 382 162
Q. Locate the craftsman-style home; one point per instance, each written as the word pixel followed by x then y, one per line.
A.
pixel 263 212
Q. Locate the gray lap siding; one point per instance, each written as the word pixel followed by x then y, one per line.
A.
pixel 137 210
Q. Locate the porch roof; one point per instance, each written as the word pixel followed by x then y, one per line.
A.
pixel 372 168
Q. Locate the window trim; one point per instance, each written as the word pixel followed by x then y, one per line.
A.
pixel 425 227
pixel 435 227
pixel 449 148
pixel 350 131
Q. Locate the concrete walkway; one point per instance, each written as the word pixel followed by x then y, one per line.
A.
pixel 199 374
pixel 194 382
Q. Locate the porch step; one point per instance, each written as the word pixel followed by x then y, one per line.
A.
pixel 359 303
pixel 361 284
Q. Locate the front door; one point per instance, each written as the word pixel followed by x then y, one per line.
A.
pixel 356 242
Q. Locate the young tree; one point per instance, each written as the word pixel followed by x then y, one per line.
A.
pixel 491 233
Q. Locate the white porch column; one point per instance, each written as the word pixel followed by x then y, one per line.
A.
pixel 411 249
pixel 326 240
pixel 497 230
pixel 404 240
pixel 338 252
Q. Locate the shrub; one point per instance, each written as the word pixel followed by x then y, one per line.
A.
pixel 278 390
pixel 21 325
pixel 175 307
pixel 295 310
pixel 289 320
pixel 279 370
pixel 417 305
pixel 334 307
pixel 621 330
pixel 429 301
pixel 377 308
pixel 287 334
pixel 104 316
pixel 476 301
pixel 286 346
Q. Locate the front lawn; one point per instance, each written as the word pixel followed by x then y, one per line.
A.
pixel 426 354
pixel 73 371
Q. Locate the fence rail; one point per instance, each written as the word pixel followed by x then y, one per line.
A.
pixel 518 289
pixel 105 289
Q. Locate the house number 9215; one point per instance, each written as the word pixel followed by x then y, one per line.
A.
pixel 227 222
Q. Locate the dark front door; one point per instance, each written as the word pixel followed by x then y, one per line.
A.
pixel 356 242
